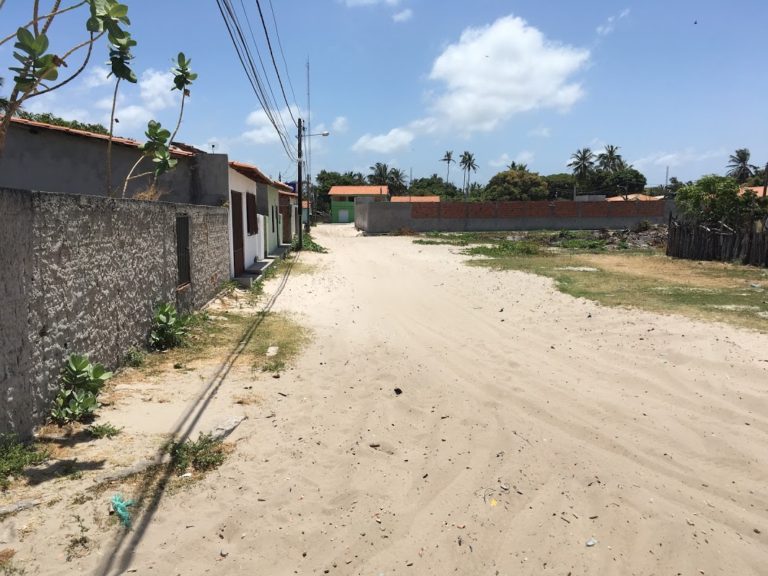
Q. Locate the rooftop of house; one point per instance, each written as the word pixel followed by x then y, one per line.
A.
pixel 253 172
pixel 359 191
pixel 415 199
pixel 181 150
pixel 757 190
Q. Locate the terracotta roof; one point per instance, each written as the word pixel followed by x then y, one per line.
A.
pixel 253 172
pixel 359 191
pixel 287 193
pixel 758 190
pixel 175 151
pixel 635 197
pixel 415 199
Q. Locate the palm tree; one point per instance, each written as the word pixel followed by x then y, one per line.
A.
pixel 518 167
pixel 610 160
pixel 467 163
pixel 739 166
pixel 582 162
pixel 448 158
pixel 379 174
pixel 396 181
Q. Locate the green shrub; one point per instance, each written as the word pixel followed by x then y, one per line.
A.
pixel 15 456
pixel 134 357
pixel 169 328
pixel 80 384
pixel 105 430
pixel 504 248
pixel 206 453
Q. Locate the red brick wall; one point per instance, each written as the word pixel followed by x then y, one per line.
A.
pixel 453 210
pixel 419 210
pixel 484 210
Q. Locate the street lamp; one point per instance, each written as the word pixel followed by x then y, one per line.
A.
pixel 299 183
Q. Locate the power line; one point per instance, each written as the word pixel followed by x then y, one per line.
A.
pixel 262 92
pixel 274 64
pixel 282 54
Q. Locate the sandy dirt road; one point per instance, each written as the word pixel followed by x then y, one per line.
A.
pixel 529 424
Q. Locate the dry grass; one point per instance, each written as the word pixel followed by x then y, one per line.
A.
pixel 709 291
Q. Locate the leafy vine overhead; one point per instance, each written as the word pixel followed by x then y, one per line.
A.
pixel 39 70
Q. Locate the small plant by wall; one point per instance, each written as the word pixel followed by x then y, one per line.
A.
pixel 80 384
pixel 169 328
pixel 15 456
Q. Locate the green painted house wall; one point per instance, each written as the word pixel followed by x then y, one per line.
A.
pixel 338 206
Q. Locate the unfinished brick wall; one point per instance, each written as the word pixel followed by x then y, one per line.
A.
pixel 82 274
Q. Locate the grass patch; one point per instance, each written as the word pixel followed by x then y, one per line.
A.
pixel 105 430
pixel 280 331
pixel 504 248
pixel 15 456
pixel 308 244
pixel 650 281
pixel 134 357
pixel 206 453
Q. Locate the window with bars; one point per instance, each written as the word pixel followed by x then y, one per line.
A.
pixel 252 222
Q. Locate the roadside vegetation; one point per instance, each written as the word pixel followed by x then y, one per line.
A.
pixel 615 270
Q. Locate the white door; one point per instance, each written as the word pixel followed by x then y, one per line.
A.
pixel 344 216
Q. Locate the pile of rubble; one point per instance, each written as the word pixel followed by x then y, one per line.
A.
pixel 646 236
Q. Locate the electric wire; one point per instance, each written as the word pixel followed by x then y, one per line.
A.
pixel 274 63
pixel 261 87
pixel 282 53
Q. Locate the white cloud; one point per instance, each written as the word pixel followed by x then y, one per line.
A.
pixel 610 24
pixel 340 124
pixel 97 77
pixel 495 72
pixel 262 131
pixel 678 158
pixel 502 160
pixel 523 157
pixel 155 87
pixel 403 15
pixel 395 139
pixel 132 116
pixel 540 132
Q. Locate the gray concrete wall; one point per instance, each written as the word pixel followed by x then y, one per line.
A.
pixel 52 161
pixel 385 217
pixel 83 275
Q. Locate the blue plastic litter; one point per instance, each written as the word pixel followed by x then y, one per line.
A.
pixel 120 507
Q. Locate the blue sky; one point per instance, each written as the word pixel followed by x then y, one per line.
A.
pixel 676 84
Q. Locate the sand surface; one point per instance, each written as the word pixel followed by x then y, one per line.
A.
pixel 529 423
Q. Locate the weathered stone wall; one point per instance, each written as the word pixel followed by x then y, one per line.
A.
pixel 87 277
pixel 15 275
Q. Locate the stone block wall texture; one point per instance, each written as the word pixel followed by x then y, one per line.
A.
pixel 384 217
pixel 83 275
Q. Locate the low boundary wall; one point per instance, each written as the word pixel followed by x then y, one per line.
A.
pixel 82 274
pixel 385 217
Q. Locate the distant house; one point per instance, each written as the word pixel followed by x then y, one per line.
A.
pixel 635 198
pixel 343 200
pixel 419 199
pixel 267 204
pixel 289 211
pixel 758 191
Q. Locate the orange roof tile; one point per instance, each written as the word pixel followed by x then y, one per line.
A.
pixel 175 151
pixel 253 172
pixel 415 199
pixel 758 190
pixel 359 191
